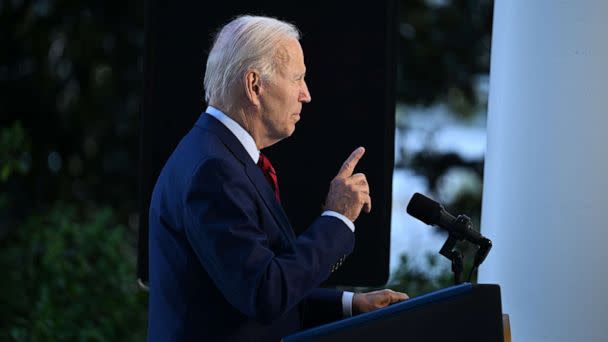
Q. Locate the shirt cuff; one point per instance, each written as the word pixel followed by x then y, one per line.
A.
pixel 347 304
pixel 344 219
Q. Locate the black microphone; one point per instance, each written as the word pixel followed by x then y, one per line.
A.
pixel 433 213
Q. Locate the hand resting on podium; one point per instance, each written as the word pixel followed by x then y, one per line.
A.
pixel 370 301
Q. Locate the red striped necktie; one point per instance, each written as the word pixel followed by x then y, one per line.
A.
pixel 270 174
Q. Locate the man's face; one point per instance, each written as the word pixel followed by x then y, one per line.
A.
pixel 283 95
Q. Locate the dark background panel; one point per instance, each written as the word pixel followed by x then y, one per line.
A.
pixel 349 55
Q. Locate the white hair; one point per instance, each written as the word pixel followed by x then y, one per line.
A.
pixel 247 42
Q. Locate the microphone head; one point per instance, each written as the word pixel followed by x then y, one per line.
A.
pixel 424 209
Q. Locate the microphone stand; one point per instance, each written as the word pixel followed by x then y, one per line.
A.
pixel 448 251
pixel 484 245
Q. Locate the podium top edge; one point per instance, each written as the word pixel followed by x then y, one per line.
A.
pixel 406 305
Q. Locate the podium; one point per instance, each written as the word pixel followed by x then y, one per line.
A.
pixel 463 312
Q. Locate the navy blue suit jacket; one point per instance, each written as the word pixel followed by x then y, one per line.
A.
pixel 225 263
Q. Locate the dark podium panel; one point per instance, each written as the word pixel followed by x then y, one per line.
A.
pixel 349 50
pixel 459 313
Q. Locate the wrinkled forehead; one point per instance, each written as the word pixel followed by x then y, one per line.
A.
pixel 289 55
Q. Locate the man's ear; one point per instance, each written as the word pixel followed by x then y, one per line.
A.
pixel 253 86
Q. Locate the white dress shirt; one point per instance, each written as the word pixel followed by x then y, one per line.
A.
pixel 249 144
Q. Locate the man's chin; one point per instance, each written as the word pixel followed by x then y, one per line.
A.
pixel 283 135
pixel 289 131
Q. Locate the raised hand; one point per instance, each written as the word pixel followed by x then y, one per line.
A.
pixel 348 192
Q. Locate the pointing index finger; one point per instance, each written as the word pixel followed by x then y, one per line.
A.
pixel 349 165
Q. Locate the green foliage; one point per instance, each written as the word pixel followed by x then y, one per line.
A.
pixel 432 275
pixel 14 151
pixel 416 281
pixel 71 75
pixel 69 275
pixel 443 47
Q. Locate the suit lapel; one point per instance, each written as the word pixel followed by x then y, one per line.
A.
pixel 254 173
pixel 264 189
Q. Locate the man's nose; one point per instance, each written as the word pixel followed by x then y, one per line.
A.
pixel 305 95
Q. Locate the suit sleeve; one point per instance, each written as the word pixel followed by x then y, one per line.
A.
pixel 322 306
pixel 221 224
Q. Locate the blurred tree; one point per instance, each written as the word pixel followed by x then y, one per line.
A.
pixel 443 46
pixel 15 152
pixel 71 75
pixel 444 50
pixel 415 279
pixel 70 278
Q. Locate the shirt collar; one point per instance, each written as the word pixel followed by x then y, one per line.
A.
pixel 239 132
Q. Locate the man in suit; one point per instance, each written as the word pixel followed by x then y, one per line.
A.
pixel 225 263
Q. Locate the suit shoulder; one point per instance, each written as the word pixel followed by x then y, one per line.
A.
pixel 217 168
pixel 197 146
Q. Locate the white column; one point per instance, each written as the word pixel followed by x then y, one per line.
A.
pixel 545 199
